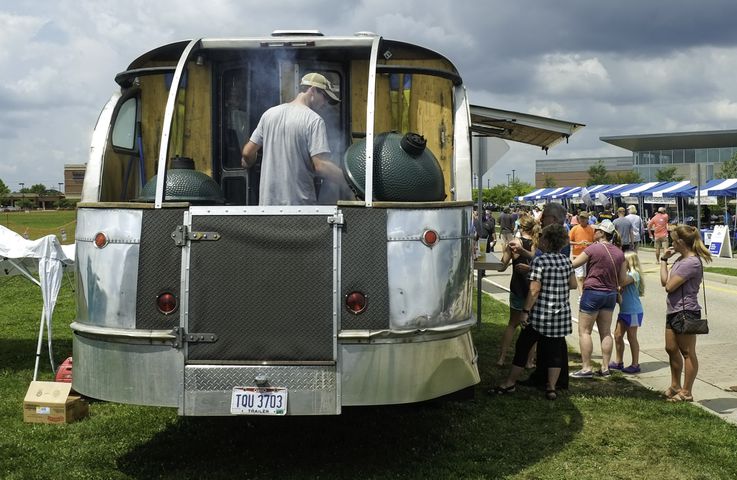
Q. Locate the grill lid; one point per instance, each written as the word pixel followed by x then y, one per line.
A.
pixel 184 184
pixel 404 170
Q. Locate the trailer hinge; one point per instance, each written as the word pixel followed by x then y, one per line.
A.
pixel 336 219
pixel 182 337
pixel 182 234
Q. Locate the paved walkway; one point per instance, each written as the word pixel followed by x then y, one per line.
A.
pixel 718 369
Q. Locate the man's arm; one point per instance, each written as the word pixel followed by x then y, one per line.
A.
pixel 248 155
pixel 327 169
pixel 533 293
pixel 516 245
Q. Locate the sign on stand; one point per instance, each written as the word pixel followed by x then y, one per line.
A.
pixel 720 245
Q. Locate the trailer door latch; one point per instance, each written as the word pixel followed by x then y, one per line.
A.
pixel 182 337
pixel 182 234
pixel 336 219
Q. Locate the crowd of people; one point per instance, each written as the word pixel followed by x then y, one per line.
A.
pixel 552 252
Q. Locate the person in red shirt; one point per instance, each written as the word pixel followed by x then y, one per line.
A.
pixel 658 228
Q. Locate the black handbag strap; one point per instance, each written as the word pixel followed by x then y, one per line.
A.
pixel 703 288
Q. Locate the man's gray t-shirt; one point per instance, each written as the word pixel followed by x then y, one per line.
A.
pixel 290 135
pixel 636 224
pixel 624 228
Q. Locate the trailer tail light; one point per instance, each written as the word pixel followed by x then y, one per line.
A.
pixel 167 303
pixel 355 302
pixel 100 240
pixel 430 238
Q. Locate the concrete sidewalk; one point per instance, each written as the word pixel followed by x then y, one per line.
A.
pixel 655 374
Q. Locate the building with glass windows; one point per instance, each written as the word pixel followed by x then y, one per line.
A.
pixel 575 171
pixel 686 151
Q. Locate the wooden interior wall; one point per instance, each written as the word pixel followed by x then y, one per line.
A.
pixel 198 117
pixel 288 87
pixel 431 108
pixel 195 136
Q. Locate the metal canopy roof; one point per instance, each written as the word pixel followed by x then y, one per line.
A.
pixel 667 141
pixel 521 127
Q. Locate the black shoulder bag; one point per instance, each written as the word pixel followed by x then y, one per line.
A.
pixel 687 322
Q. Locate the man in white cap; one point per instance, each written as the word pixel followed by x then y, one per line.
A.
pixel 636 221
pixel 295 144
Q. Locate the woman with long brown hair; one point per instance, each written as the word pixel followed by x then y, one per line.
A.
pixel 519 285
pixel 682 284
pixel 605 272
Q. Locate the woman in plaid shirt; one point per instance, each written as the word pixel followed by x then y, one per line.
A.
pixel 547 312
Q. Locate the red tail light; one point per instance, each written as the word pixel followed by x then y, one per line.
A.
pixel 100 240
pixel 355 302
pixel 430 238
pixel 167 303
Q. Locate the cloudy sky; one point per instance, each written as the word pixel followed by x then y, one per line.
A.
pixel 620 67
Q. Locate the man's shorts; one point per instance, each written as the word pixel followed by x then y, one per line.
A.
pixel 630 319
pixel 594 300
pixel 661 242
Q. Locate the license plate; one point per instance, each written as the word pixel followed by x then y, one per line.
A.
pixel 258 401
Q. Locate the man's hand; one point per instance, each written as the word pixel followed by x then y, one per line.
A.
pixel 522 268
pixel 249 154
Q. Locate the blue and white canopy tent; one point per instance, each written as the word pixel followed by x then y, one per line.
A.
pixel 531 195
pixel 636 193
pixel 587 195
pixel 547 196
pixel 567 193
pixel 719 188
pixel 672 191
pixel 606 196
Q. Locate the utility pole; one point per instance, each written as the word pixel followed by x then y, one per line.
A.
pixel 507 179
pixel 513 175
pixel 22 195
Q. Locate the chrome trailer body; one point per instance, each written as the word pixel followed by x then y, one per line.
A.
pixel 294 332
pixel 261 307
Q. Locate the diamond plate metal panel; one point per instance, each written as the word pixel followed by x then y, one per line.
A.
pixel 224 378
pixel 159 267
pixel 265 288
pixel 364 267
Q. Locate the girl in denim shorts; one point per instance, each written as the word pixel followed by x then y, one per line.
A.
pixel 630 315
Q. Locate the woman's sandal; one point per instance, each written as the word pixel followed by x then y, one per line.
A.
pixel 679 397
pixel 670 392
pixel 551 394
pixel 499 390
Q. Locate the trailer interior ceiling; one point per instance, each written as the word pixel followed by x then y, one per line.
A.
pixel 521 127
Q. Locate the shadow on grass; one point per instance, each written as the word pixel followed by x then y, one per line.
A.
pixel 487 436
pixel 20 354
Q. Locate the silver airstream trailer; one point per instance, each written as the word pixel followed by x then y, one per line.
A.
pixel 193 295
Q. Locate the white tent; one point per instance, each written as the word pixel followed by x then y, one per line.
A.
pixel 15 251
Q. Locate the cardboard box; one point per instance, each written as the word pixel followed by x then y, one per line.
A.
pixel 53 402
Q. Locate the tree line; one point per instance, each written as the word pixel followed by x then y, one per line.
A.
pixel 38 189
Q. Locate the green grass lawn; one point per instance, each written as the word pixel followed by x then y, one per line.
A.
pixel 722 270
pixel 39 223
pixel 598 429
